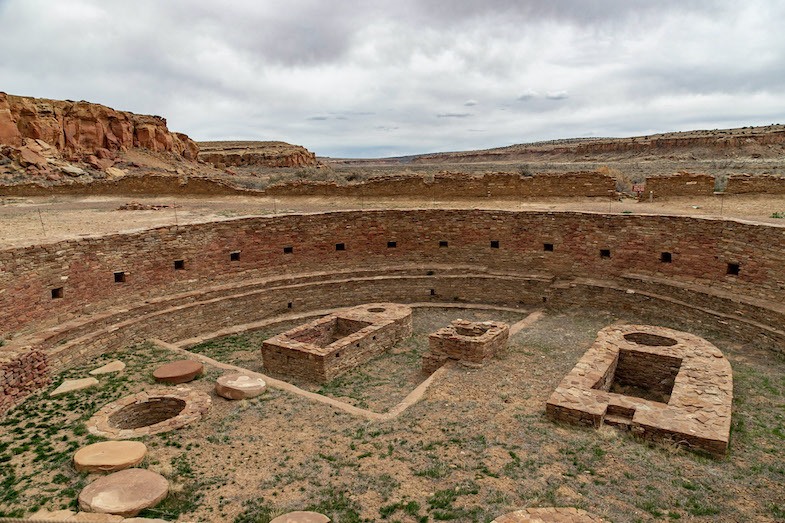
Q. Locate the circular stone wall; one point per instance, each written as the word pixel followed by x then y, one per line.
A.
pixel 149 413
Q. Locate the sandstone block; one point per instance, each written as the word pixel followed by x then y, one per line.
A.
pixel 301 517
pixel 112 366
pixel 72 385
pixel 109 456
pixel 238 386
pixel 180 371
pixel 125 493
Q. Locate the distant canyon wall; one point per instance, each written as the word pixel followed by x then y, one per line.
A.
pixel 261 154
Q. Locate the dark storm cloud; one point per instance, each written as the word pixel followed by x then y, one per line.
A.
pixel 367 77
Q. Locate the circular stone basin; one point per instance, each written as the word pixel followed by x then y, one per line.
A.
pixel 180 371
pixel 238 386
pixel 109 456
pixel 377 309
pixel 149 413
pixel 652 340
pixel 301 517
pixel 124 493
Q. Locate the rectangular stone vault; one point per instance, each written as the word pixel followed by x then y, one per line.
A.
pixel 659 383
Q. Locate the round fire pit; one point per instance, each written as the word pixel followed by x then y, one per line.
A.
pixel 149 412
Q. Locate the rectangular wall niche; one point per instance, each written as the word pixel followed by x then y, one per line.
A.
pixel 179 265
pixel 605 253
pixel 119 277
pixel 288 249
pixel 57 293
pixel 234 256
pixel 547 247
pixel 340 246
pixel 392 245
pixel 666 257
pixel 733 269
pixel 443 243
pixel 494 244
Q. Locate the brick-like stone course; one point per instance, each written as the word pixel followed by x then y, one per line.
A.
pixel 330 346
pixel 21 372
pixel 691 376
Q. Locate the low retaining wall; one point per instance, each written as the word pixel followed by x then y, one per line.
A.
pixel 755 184
pixel 678 185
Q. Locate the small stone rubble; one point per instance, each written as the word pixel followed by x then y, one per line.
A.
pixel 671 386
pixel 549 515
pixel 471 343
pixel 149 412
pixel 325 348
pixel 125 493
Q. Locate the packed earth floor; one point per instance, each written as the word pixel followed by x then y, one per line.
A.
pixel 476 446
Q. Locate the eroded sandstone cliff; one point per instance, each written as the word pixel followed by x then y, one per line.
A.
pixel 82 129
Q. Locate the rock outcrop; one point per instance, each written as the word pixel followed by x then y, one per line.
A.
pixel 86 131
pixel 262 154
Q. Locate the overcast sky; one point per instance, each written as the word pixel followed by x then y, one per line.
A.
pixel 384 78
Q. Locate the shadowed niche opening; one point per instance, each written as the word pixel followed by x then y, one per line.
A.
pixel 651 340
pixel 643 375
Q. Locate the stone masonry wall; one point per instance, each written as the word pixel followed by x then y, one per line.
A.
pixel 211 291
pixel 20 374
pixel 755 184
pixel 584 245
pixel 682 184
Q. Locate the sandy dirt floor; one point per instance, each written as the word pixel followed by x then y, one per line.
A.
pixel 34 220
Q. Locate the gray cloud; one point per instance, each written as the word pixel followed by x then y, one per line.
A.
pixel 374 73
pixel 556 95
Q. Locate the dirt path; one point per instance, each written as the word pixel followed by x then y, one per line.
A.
pixel 35 220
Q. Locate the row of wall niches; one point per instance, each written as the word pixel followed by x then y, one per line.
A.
pixel 732 268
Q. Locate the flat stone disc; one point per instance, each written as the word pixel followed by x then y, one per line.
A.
pixel 238 386
pixel 180 371
pixel 125 493
pixel 301 517
pixel 109 456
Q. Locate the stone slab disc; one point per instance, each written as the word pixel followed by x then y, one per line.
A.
pixel 238 386
pixel 109 456
pixel 301 517
pixel 112 366
pixel 72 385
pixel 125 493
pixel 180 371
